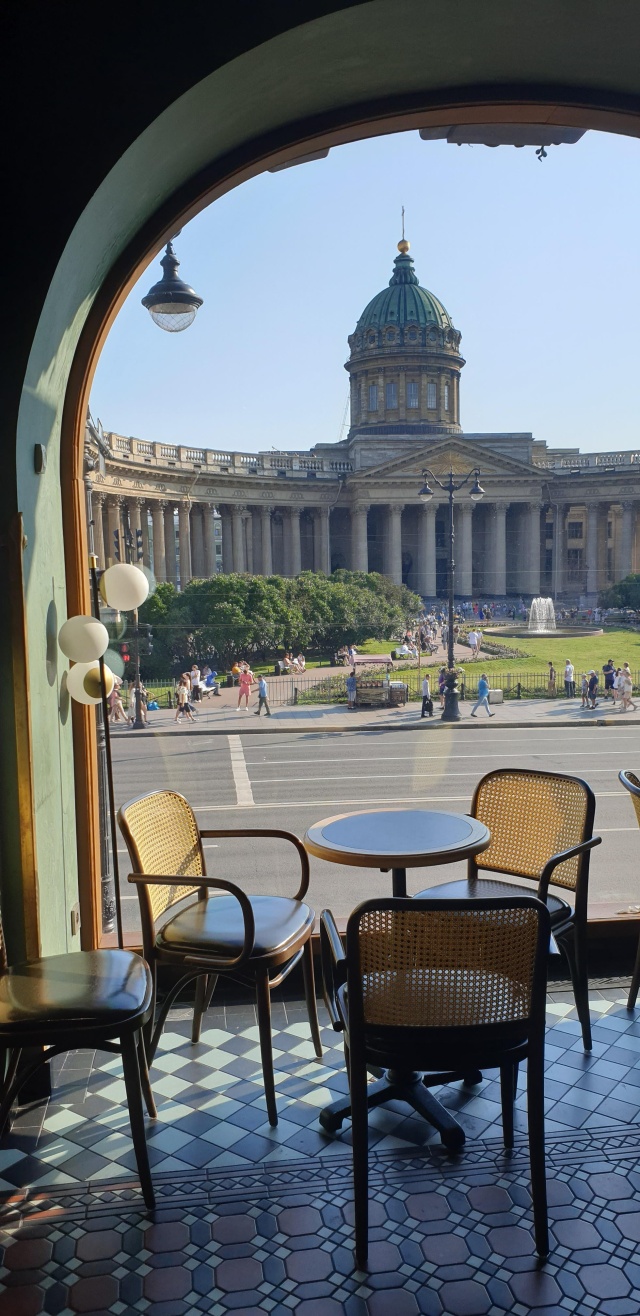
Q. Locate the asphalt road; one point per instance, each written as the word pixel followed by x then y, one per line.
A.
pixel 292 781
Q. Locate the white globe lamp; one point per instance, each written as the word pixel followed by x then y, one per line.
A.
pixel 83 639
pixel 83 682
pixel 124 587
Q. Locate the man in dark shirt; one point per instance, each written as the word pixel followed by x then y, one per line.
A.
pixel 593 688
pixel 609 674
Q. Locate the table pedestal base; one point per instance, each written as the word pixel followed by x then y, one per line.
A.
pixel 412 1087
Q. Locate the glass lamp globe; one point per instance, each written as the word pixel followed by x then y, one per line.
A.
pixel 83 682
pixel 171 303
pixel 83 639
pixel 426 494
pixel 477 492
pixel 124 587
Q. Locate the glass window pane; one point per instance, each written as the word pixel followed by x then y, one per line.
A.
pixel 412 393
pixel 392 395
pixel 446 397
pixel 373 397
pixel 431 396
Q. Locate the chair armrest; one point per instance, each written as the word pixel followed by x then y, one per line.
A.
pixel 283 836
pixel 219 883
pixel 334 966
pixel 556 859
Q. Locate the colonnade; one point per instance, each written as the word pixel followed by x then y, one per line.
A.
pixel 501 546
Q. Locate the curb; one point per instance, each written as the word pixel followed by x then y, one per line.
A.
pixel 369 726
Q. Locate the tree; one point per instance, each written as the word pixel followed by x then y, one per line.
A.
pixel 625 594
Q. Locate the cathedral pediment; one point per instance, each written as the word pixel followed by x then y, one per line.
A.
pixel 451 453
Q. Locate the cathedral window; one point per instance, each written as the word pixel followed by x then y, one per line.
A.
pixel 373 397
pixel 391 395
pixel 446 397
pixel 431 396
pixel 412 393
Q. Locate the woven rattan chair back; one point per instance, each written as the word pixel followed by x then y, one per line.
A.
pixel 632 783
pixel 532 816
pixel 445 964
pixel 162 836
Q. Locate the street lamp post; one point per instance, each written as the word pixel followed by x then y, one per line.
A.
pixel 138 723
pixel 451 712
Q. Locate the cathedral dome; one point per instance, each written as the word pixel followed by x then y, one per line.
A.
pixel 404 302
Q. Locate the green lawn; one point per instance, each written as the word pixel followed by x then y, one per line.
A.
pixel 584 652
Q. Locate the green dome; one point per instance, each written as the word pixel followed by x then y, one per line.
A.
pixel 404 302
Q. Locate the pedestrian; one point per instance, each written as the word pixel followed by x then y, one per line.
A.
pixel 551 679
pixel 593 688
pixel 627 689
pixel 263 697
pixel 609 677
pixel 483 696
pixel 427 701
pixel 617 684
pixel 245 681
pixel 569 679
pixel 183 707
pixel 116 707
pixel 351 688
pixel 473 644
pixel 584 690
pixel 195 683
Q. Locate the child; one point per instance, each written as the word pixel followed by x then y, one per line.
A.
pixel 584 690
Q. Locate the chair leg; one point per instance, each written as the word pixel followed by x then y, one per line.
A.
pixel 360 1141
pixel 199 1007
pixel 263 1002
pixel 535 1115
pixel 575 951
pixel 9 1088
pixel 310 996
pixel 145 1082
pixel 635 981
pixel 508 1083
pixel 136 1115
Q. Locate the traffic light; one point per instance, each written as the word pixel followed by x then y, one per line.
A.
pixel 139 554
pixel 116 545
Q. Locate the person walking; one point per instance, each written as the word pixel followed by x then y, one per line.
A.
pixel 569 679
pixel 245 682
pixel 551 679
pixel 427 701
pixel 483 696
pixel 351 688
pixel 183 708
pixel 609 673
pixel 584 690
pixel 617 685
pixel 195 679
pixel 593 688
pixel 627 689
pixel 263 697
pixel 473 644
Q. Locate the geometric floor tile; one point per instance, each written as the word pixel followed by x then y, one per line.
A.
pixel 253 1219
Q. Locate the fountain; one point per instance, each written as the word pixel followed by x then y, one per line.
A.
pixel 542 617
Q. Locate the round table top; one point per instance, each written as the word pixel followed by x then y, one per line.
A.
pixel 397 838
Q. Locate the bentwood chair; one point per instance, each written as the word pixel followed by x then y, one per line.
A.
pixel 98 1000
pixel 541 826
pixel 256 939
pixel 434 985
pixel 631 783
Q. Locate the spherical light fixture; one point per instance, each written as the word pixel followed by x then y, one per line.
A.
pixel 83 639
pixel 171 303
pixel 477 492
pixel 83 682
pixel 425 494
pixel 124 587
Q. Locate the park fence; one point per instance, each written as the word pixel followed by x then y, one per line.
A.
pixel 287 690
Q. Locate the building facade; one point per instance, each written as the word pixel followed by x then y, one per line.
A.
pixel 553 521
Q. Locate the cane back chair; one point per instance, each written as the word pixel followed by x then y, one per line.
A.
pixel 436 984
pixel 631 783
pixel 98 1000
pixel 541 826
pixel 257 939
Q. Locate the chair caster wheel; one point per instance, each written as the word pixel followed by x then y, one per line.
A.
pixel 330 1123
pixel 452 1139
pixel 472 1079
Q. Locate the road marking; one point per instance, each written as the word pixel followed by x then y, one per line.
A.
pixel 343 804
pixel 244 793
pixel 427 758
pixel 398 776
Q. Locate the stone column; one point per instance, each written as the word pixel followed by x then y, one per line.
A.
pixel 237 532
pixel 465 549
pixel 97 504
pixel 170 543
pixel 197 542
pixel 393 545
pixel 592 548
pixel 626 539
pixel 498 567
pixel 247 522
pixel 359 545
pixel 133 508
pixel 267 549
pixel 144 526
pixel 113 522
pixel 558 549
pixel 321 552
pixel 184 542
pixel 532 550
pixel 427 513
pixel 227 540
pixel 209 540
pixel 159 558
pixel 294 540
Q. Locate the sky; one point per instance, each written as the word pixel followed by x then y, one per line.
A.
pixel 537 263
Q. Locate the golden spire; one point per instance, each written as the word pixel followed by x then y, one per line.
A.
pixel 403 245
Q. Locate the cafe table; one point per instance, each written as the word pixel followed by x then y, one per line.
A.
pixel 394 840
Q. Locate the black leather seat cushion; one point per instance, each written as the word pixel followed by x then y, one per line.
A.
pixel 489 888
pixel 216 926
pixel 85 987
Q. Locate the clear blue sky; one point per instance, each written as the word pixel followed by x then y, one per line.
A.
pixel 537 263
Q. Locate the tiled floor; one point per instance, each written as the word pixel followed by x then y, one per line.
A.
pixel 252 1219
